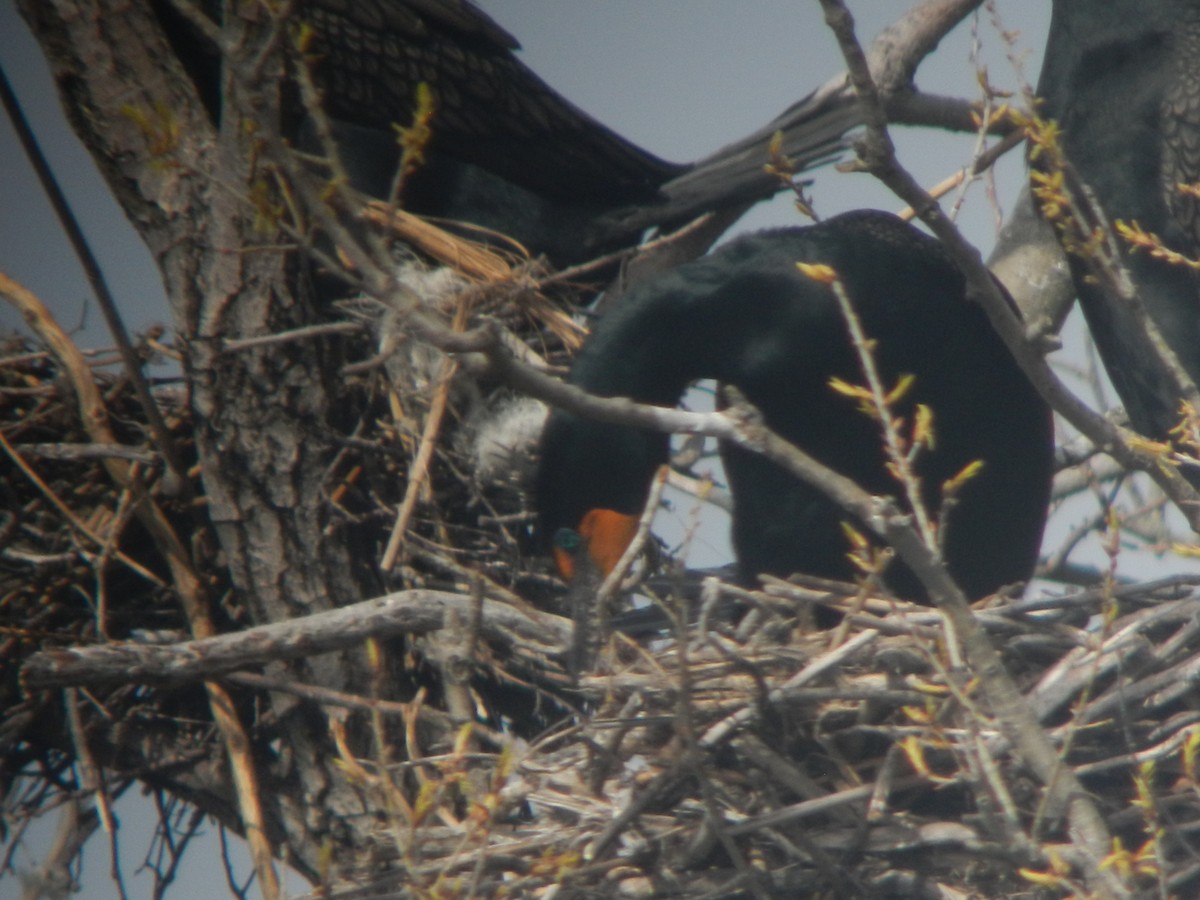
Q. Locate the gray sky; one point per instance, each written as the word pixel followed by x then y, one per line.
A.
pixel 680 77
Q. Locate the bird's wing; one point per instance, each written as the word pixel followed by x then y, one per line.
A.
pixel 1181 138
pixel 491 110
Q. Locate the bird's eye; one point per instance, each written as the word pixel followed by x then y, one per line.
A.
pixel 567 539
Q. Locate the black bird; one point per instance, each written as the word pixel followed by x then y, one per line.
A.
pixel 1122 79
pixel 746 316
pixel 507 152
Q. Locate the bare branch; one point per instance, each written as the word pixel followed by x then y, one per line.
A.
pixel 399 613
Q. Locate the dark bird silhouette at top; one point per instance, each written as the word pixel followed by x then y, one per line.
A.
pixel 746 316
pixel 507 152
pixel 1122 79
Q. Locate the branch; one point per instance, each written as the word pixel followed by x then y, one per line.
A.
pixel 61 451
pixel 404 612
pixel 1029 261
pixel 814 128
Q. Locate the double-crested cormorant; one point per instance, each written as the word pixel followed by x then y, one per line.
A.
pixel 1122 79
pixel 746 316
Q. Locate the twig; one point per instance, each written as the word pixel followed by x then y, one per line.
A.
pixel 72 519
pixel 721 731
pixel 308 332
pixel 92 777
pixel 418 471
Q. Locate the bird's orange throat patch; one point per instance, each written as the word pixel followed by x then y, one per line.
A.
pixel 606 533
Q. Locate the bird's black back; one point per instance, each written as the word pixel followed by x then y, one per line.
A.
pixel 745 316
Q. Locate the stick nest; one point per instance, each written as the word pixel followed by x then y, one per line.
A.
pixel 738 753
pixel 754 760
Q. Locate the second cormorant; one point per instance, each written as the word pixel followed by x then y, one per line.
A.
pixel 1122 80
